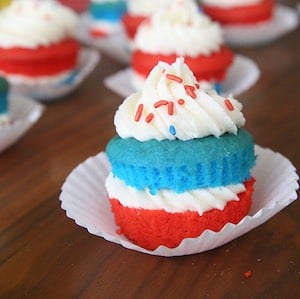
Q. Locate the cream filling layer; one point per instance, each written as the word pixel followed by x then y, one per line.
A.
pixel 229 3
pixel 199 200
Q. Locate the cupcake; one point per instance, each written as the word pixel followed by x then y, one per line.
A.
pixel 181 30
pixel 139 11
pixel 37 42
pixel 4 107
pixel 105 16
pixel 239 12
pixel 180 162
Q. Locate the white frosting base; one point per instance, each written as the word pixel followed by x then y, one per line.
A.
pixel 179 29
pixel 205 114
pixel 199 200
pixel 229 3
pixel 146 7
pixel 34 23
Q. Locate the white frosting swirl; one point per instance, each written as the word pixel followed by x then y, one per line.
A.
pixel 185 113
pixel 199 200
pixel 34 23
pixel 146 7
pixel 179 29
pixel 229 3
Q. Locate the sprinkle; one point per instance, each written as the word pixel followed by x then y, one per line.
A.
pixel 149 117
pixel 228 105
pixel 248 274
pixel 174 78
pixel 172 130
pixel 160 103
pixel 180 101
pixel 170 108
pixel 197 85
pixel 138 113
pixel 190 90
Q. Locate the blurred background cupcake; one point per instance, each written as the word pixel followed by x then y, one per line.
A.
pixel 105 16
pixel 180 29
pixel 239 12
pixel 37 42
pixel 137 12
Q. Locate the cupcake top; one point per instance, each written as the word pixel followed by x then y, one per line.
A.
pixel 229 3
pixel 180 28
pixel 145 7
pixel 34 23
pixel 172 106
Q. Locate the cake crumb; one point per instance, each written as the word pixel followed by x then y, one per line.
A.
pixel 248 274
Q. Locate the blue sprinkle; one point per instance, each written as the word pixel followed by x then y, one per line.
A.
pixel 172 130
pixel 218 87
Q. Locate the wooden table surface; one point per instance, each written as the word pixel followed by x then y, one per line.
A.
pixel 44 254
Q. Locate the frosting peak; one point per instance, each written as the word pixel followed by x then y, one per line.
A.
pixel 181 29
pixel 172 106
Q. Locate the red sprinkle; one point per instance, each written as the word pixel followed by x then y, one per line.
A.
pixel 197 85
pixel 170 108
pixel 228 105
pixel 190 90
pixel 248 274
pixel 160 103
pixel 180 101
pixel 149 117
pixel 174 78
pixel 138 113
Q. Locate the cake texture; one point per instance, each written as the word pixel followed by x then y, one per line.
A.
pixel 239 12
pixel 139 11
pixel 105 16
pixel 180 162
pixel 181 30
pixel 37 41
pixel 4 106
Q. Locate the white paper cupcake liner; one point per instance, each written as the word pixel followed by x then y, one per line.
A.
pixel 285 20
pixel 24 113
pixel 114 45
pixel 84 199
pixel 87 61
pixel 242 74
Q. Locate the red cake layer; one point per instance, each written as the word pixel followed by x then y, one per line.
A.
pixel 42 61
pixel 131 23
pixel 241 14
pixel 212 67
pixel 151 228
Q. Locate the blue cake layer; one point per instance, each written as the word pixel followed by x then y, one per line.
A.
pixel 4 87
pixel 182 165
pixel 3 104
pixel 110 11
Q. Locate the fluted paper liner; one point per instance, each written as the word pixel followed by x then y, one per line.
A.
pixel 24 113
pixel 87 61
pixel 285 19
pixel 84 199
pixel 241 75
